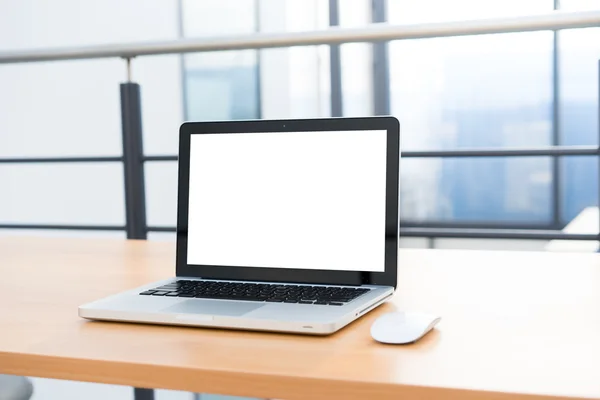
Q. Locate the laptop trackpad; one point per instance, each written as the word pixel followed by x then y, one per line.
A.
pixel 213 307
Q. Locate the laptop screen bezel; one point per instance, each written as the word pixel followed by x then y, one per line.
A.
pixel 257 273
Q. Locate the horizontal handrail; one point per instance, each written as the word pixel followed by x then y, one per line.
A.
pixel 497 233
pixel 371 33
pixel 64 227
pixel 546 151
pixel 553 151
pixel 33 160
pixel 457 233
pixel 549 151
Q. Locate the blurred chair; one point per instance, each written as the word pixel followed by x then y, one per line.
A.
pixel 15 388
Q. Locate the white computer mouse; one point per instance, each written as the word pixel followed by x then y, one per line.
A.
pixel 402 327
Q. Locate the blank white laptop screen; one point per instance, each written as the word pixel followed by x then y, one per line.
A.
pixel 311 200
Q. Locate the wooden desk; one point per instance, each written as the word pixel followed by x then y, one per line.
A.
pixel 515 326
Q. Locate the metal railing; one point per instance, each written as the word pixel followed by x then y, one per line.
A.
pixel 373 33
pixel 133 158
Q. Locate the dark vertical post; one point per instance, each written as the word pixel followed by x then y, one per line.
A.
pixel 335 64
pixel 133 169
pixel 556 200
pixel 133 162
pixel 381 70
pixel 598 158
pixel 143 394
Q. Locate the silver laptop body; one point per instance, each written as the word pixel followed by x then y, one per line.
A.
pixel 283 225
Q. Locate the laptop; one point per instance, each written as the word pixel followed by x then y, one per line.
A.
pixel 282 225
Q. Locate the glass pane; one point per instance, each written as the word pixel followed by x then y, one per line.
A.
pixel 161 192
pixel 71 108
pixel 221 85
pixel 294 82
pixel 579 186
pixel 64 193
pixel 473 92
pixel 495 190
pixel 410 11
pixel 481 91
pixel 41 24
pixel 579 52
pixel 356 61
pixel 162 102
pixel 61 109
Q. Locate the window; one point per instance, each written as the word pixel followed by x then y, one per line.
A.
pixel 220 85
pixel 474 92
pixel 579 53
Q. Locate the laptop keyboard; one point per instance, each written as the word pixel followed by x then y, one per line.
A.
pixel 272 293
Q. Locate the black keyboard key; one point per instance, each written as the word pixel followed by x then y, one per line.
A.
pixel 147 292
pixel 305 302
pixel 339 299
pixel 290 301
pixel 186 295
pixel 335 303
pixel 204 296
pixel 159 293
pixel 320 302
pixel 172 294
pixel 274 300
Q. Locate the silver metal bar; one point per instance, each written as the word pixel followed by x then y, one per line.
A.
pixel 372 33
pixel 64 227
pixel 549 151
pixel 552 151
pixel 34 160
pixel 128 61
pixel 466 233
pixel 494 234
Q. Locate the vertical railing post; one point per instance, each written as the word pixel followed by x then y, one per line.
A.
pixel 133 161
pixel 133 171
pixel 143 394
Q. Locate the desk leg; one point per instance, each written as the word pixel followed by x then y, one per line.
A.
pixel 143 394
